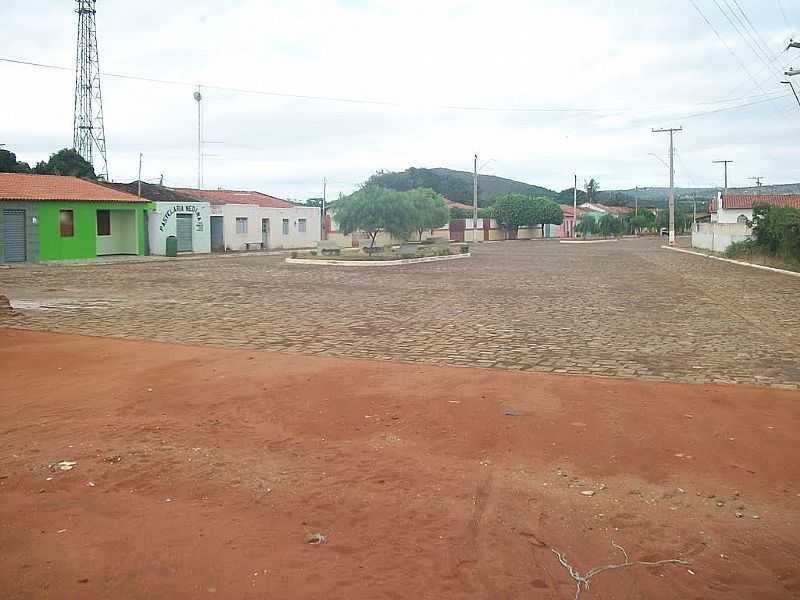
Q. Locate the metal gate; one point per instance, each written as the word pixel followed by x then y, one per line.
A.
pixel 184 232
pixel 14 235
pixel 217 237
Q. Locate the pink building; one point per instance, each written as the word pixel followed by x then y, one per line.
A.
pixel 568 226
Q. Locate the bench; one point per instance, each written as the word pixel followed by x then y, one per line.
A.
pixel 329 247
pixel 260 245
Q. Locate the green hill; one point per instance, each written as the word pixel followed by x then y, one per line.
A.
pixel 456 185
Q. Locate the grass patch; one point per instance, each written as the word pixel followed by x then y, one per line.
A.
pixel 747 251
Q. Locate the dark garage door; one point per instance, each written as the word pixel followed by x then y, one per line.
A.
pixel 217 238
pixel 14 235
pixel 184 231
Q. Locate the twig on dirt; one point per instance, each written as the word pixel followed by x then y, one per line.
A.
pixel 583 579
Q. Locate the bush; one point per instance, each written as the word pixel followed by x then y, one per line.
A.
pixel 738 249
pixel 293 255
pixel 777 229
pixel 313 253
pixel 464 249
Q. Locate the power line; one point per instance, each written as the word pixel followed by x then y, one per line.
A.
pixel 309 96
pixel 730 50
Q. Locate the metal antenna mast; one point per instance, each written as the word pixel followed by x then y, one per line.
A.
pixel 89 134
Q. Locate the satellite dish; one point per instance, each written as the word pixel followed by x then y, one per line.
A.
pixel 198 96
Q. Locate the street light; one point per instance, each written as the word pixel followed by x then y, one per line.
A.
pixel 791 85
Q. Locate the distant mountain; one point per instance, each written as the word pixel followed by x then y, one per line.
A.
pixel 456 185
pixel 657 196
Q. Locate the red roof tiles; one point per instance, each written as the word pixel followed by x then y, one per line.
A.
pixel 42 188
pixel 236 197
pixel 745 201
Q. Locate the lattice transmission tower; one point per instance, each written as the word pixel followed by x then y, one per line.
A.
pixel 89 136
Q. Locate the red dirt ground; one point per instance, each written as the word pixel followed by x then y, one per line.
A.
pixel 210 467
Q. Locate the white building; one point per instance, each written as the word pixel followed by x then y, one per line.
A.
pixel 189 222
pixel 173 214
pixel 730 214
pixel 242 220
pixel 738 208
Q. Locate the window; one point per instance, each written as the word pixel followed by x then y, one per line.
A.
pixel 741 219
pixel 286 227
pixel 66 221
pixel 301 225
pixel 241 224
pixel 103 222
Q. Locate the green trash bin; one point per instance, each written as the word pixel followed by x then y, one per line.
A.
pixel 172 246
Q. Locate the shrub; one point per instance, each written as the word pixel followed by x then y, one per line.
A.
pixel 293 255
pixel 313 253
pixel 464 249
pixel 737 249
pixel 407 256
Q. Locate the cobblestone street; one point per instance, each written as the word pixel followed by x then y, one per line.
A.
pixel 627 309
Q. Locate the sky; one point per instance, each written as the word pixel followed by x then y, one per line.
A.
pixel 539 90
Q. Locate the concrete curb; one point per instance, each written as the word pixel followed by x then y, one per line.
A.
pixel 586 241
pixel 735 262
pixel 374 263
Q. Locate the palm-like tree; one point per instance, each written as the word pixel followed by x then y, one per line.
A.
pixel 592 187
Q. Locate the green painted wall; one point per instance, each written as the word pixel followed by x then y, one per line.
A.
pixel 83 244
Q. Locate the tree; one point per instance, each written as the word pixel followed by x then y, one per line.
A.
pixel 548 213
pixel 66 162
pixel 373 209
pixel 10 164
pixel 511 212
pixel 315 202
pixel 567 196
pixel 430 211
pixel 592 187
pixel 587 224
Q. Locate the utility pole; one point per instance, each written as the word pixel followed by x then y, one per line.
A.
pixel 757 180
pixel 672 131
pixel 199 98
pixel 575 207
pixel 694 211
pixel 324 194
pixel 725 163
pixel 475 201
pixel 139 180
pixel 790 84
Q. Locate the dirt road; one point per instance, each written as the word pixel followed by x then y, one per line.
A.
pixel 201 471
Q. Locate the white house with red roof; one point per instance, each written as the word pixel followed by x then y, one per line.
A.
pixel 730 216
pixel 728 207
pixel 247 220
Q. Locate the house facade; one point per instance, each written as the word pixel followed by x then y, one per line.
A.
pixel 247 220
pixel 172 214
pixel 49 217
pixel 738 208
pixel 730 217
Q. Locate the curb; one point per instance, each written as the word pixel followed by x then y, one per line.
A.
pixel 735 262
pixel 374 263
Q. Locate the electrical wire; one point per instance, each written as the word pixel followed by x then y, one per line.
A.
pixel 455 107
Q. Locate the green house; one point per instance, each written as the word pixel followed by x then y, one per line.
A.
pixel 48 217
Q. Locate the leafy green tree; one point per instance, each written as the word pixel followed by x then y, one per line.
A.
pixel 66 162
pixel 587 225
pixel 314 202
pixel 374 209
pixel 567 196
pixel 513 211
pixel 10 164
pixel 610 225
pixel 592 188
pixel 430 211
pixel 459 213
pixel 777 229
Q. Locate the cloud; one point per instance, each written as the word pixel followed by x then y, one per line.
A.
pixel 419 57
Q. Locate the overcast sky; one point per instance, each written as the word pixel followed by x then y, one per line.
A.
pixel 628 65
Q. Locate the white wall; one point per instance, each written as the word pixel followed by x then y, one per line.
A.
pixel 124 235
pixel 162 223
pixel 718 236
pixel 294 239
pixel 730 215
